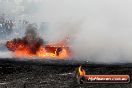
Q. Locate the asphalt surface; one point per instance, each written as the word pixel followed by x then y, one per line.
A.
pixel 18 74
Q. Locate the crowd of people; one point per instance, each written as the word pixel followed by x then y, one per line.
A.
pixel 10 26
pixel 6 25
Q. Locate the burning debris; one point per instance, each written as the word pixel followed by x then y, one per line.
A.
pixel 32 45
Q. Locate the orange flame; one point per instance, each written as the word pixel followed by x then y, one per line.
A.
pixel 42 52
pixel 47 51
pixel 81 71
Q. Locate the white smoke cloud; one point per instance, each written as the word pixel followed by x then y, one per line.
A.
pixel 100 29
pixel 6 54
